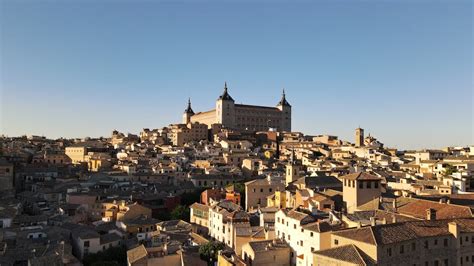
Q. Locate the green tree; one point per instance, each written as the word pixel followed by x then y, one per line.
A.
pixel 180 212
pixel 192 197
pixel 110 257
pixel 208 251
pixel 449 170
pixel 240 187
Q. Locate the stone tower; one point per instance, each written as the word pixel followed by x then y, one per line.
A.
pixel 285 108
pixel 359 137
pixel 225 109
pixel 292 169
pixel 188 113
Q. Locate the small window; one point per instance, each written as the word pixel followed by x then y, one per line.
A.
pixel 389 252
pixel 413 246
pixel 445 242
pixel 336 242
pixel 402 249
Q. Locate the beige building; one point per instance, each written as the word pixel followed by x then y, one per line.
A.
pixel 266 253
pixel 304 233
pixel 361 191
pixel 431 242
pixel 242 116
pixel 183 133
pixel 258 190
pixel 199 214
pixel 76 154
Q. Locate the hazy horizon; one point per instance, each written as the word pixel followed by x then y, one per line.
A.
pixel 401 70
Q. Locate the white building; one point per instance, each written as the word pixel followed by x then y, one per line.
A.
pixel 303 233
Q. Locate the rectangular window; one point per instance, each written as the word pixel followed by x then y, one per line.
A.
pixel 402 249
pixel 389 252
pixel 336 242
pixel 361 184
pixel 369 184
pixel 445 242
pixel 376 184
pixel 413 246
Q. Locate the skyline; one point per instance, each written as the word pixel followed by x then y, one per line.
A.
pixel 400 70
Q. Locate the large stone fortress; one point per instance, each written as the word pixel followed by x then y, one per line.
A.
pixel 242 116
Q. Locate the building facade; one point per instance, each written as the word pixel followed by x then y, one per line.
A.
pixel 243 117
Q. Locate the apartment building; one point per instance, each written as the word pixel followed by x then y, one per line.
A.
pixel 304 233
pixel 429 242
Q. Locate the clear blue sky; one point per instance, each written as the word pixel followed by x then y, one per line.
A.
pixel 400 69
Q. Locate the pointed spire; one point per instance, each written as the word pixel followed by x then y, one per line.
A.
pixel 225 95
pixel 283 101
pixel 189 110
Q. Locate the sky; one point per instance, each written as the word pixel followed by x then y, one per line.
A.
pixel 402 70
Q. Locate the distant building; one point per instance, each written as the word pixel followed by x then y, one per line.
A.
pixel 183 133
pixel 242 116
pixel 359 137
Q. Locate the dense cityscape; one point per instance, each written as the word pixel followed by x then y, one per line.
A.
pixel 234 185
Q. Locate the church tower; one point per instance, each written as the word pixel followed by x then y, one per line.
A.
pixel 188 113
pixel 225 109
pixel 285 108
pixel 292 169
pixel 359 137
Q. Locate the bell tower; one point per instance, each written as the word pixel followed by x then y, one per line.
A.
pixel 293 169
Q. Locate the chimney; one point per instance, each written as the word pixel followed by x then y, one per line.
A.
pixel 430 214
pixel 372 221
pixel 453 228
